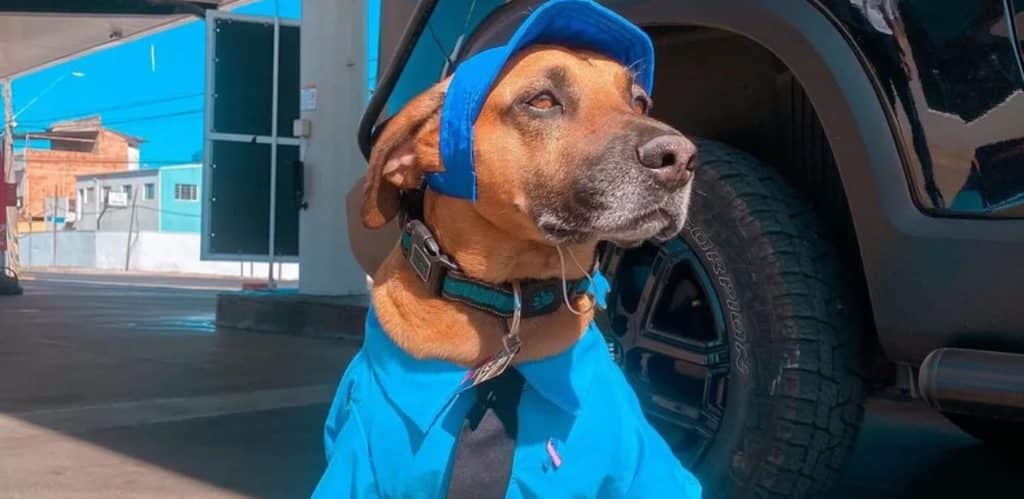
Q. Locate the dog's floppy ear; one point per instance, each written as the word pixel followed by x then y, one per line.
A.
pixel 405 151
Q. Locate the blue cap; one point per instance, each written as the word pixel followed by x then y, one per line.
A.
pixel 579 24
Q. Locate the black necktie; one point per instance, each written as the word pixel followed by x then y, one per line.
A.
pixel 487 442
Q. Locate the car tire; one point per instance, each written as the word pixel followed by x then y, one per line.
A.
pixel 793 393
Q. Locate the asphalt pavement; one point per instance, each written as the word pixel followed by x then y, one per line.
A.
pixel 120 386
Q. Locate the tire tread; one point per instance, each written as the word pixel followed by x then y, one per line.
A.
pixel 815 416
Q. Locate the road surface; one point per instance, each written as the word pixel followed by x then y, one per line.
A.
pixel 120 386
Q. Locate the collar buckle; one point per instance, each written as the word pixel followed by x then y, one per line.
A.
pixel 424 255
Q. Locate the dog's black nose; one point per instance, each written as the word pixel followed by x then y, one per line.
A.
pixel 672 158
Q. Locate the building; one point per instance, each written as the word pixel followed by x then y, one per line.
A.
pixel 46 178
pixel 110 201
pixel 152 199
pixel 180 197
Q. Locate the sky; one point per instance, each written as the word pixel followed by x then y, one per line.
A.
pixel 151 88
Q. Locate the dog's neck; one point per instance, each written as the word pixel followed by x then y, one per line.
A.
pixel 428 327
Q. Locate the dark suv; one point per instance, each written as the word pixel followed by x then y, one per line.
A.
pixel 857 219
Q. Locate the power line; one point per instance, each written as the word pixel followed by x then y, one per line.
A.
pixel 129 120
pixel 169 212
pixel 154 117
pixel 29 161
pixel 120 107
pixel 142 207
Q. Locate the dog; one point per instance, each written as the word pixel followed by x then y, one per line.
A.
pixel 565 156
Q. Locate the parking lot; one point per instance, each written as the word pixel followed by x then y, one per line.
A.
pixel 120 386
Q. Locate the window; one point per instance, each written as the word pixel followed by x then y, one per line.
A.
pixel 127 190
pixel 90 195
pixel 81 195
pixel 186 192
pixel 149 191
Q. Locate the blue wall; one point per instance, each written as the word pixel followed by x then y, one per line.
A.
pixel 176 215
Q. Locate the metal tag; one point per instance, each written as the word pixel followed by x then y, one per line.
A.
pixel 496 365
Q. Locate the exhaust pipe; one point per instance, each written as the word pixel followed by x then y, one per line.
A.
pixel 974 382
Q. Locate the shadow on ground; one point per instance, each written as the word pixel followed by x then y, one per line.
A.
pixel 270 454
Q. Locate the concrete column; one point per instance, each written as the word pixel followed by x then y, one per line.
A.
pixel 7 173
pixel 334 62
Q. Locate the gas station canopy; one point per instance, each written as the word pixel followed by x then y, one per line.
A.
pixel 38 33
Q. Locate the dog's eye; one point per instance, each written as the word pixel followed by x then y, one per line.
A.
pixel 544 101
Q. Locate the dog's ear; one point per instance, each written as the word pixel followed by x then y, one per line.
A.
pixel 406 150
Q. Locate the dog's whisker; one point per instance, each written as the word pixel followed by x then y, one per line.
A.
pixel 565 286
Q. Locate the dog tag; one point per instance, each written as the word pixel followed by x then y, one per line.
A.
pixel 495 366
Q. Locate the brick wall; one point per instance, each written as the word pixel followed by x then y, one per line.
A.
pixel 48 170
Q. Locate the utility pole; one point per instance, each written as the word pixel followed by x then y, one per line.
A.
pixel 131 225
pixel 53 224
pixel 96 189
pixel 8 258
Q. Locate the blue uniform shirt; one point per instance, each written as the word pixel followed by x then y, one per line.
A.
pixel 392 428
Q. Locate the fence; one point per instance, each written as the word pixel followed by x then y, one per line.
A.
pixel 149 251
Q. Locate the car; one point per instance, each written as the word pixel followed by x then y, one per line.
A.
pixel 857 220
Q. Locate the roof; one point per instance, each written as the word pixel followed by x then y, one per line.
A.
pixel 87 124
pixel 35 34
pixel 73 130
pixel 140 173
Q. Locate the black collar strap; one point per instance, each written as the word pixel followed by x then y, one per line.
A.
pixel 443 278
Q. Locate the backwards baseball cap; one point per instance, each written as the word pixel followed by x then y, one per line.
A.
pixel 578 24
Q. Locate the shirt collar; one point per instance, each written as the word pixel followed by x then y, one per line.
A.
pixel 423 389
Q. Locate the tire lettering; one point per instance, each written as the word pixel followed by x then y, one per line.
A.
pixel 732 303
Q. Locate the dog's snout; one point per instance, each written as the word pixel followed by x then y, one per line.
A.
pixel 671 157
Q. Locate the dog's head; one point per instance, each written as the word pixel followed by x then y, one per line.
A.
pixel 564 152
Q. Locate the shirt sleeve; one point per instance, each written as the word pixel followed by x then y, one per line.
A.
pixel 349 472
pixel 658 471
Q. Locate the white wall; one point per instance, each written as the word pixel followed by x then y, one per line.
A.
pixel 333 60
pixel 151 251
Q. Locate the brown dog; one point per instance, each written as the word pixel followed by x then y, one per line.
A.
pixel 565 155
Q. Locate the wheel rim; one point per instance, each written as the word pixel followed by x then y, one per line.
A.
pixel 666 328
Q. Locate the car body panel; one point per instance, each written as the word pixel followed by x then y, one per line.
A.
pixel 952 72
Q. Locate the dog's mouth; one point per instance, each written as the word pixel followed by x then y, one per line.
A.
pixel 619 226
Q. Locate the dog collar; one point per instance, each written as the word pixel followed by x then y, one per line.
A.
pixel 444 279
pixel 580 24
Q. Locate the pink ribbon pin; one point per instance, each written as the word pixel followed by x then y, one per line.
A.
pixel 556 460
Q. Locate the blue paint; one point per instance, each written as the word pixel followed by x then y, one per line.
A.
pixel 178 215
